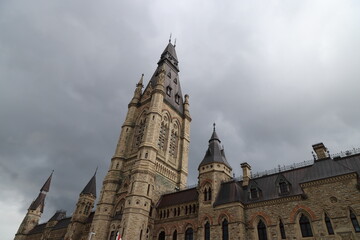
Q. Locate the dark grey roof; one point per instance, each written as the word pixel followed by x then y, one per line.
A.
pixel 63 223
pixel 215 153
pixel 38 229
pixel 169 60
pixel 60 214
pixel 325 168
pixel 184 196
pixel 90 188
pixel 39 201
pixel 46 186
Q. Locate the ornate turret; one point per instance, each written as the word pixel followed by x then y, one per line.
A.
pixel 213 170
pixel 34 211
pixel 82 212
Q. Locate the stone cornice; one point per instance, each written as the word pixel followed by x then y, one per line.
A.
pixel 328 180
pixel 274 201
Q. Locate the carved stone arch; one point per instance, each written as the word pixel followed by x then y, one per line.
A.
pixel 297 210
pixel 222 216
pixel 119 208
pixel 140 127
pixel 186 226
pixel 206 218
pixel 257 216
pixel 205 182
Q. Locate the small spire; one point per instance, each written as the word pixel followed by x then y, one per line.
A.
pixel 141 80
pixel 170 38
pixel 175 43
pixel 214 125
pixel 46 186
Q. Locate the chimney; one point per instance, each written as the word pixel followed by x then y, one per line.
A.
pixel 320 150
pixel 246 173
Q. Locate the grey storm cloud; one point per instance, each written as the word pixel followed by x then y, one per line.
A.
pixel 276 77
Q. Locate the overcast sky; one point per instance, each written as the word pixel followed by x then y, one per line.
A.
pixel 276 77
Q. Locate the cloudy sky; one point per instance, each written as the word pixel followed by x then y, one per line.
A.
pixel 276 77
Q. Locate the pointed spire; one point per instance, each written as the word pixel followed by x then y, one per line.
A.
pixel 40 200
pixel 46 186
pixel 215 152
pixel 90 188
pixel 140 83
pixel 170 38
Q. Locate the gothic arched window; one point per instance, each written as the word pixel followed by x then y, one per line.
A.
pixel 283 187
pixel 163 135
pixel 139 133
pixel 162 236
pixel 225 230
pixel 354 222
pixel 205 195
pixel 174 235
pixel 282 230
pixel 329 225
pixel 305 226
pixel 189 234
pixel 207 231
pixel 174 139
pixel 261 228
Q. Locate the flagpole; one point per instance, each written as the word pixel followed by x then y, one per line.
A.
pixel 90 235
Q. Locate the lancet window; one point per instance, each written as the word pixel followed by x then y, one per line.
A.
pixel 174 139
pixel 139 134
pixel 163 135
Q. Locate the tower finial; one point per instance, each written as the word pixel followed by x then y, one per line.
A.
pixel 175 43
pixel 96 170
pixel 170 38
pixel 214 125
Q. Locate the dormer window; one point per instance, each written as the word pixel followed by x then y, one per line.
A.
pixel 168 91
pixel 283 187
pixel 254 193
pixel 177 98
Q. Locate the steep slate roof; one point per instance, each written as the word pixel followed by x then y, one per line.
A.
pixel 38 229
pixel 90 188
pixel 46 186
pixel 58 215
pixel 184 196
pixel 215 153
pixel 63 223
pixel 169 61
pixel 234 192
pixel 39 201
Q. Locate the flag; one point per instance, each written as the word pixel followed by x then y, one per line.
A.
pixel 118 236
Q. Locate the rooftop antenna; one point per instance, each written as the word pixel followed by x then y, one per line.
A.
pixel 175 43
pixel 170 38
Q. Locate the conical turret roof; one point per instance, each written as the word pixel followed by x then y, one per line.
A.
pixel 90 188
pixel 215 152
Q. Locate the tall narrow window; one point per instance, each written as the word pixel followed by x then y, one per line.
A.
pixel 174 142
pixel 209 193
pixel 261 230
pixel 162 236
pixel 354 222
pixel 139 133
pixel 305 226
pixel 282 230
pixel 140 234
pixel 163 135
pixel 207 231
pixel 189 234
pixel 225 230
pixel 174 235
pixel 205 195
pixel 329 225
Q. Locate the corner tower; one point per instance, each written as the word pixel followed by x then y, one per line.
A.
pixel 151 156
pixel 34 212
pixel 82 211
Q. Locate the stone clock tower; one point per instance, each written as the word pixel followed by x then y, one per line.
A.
pixel 151 156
